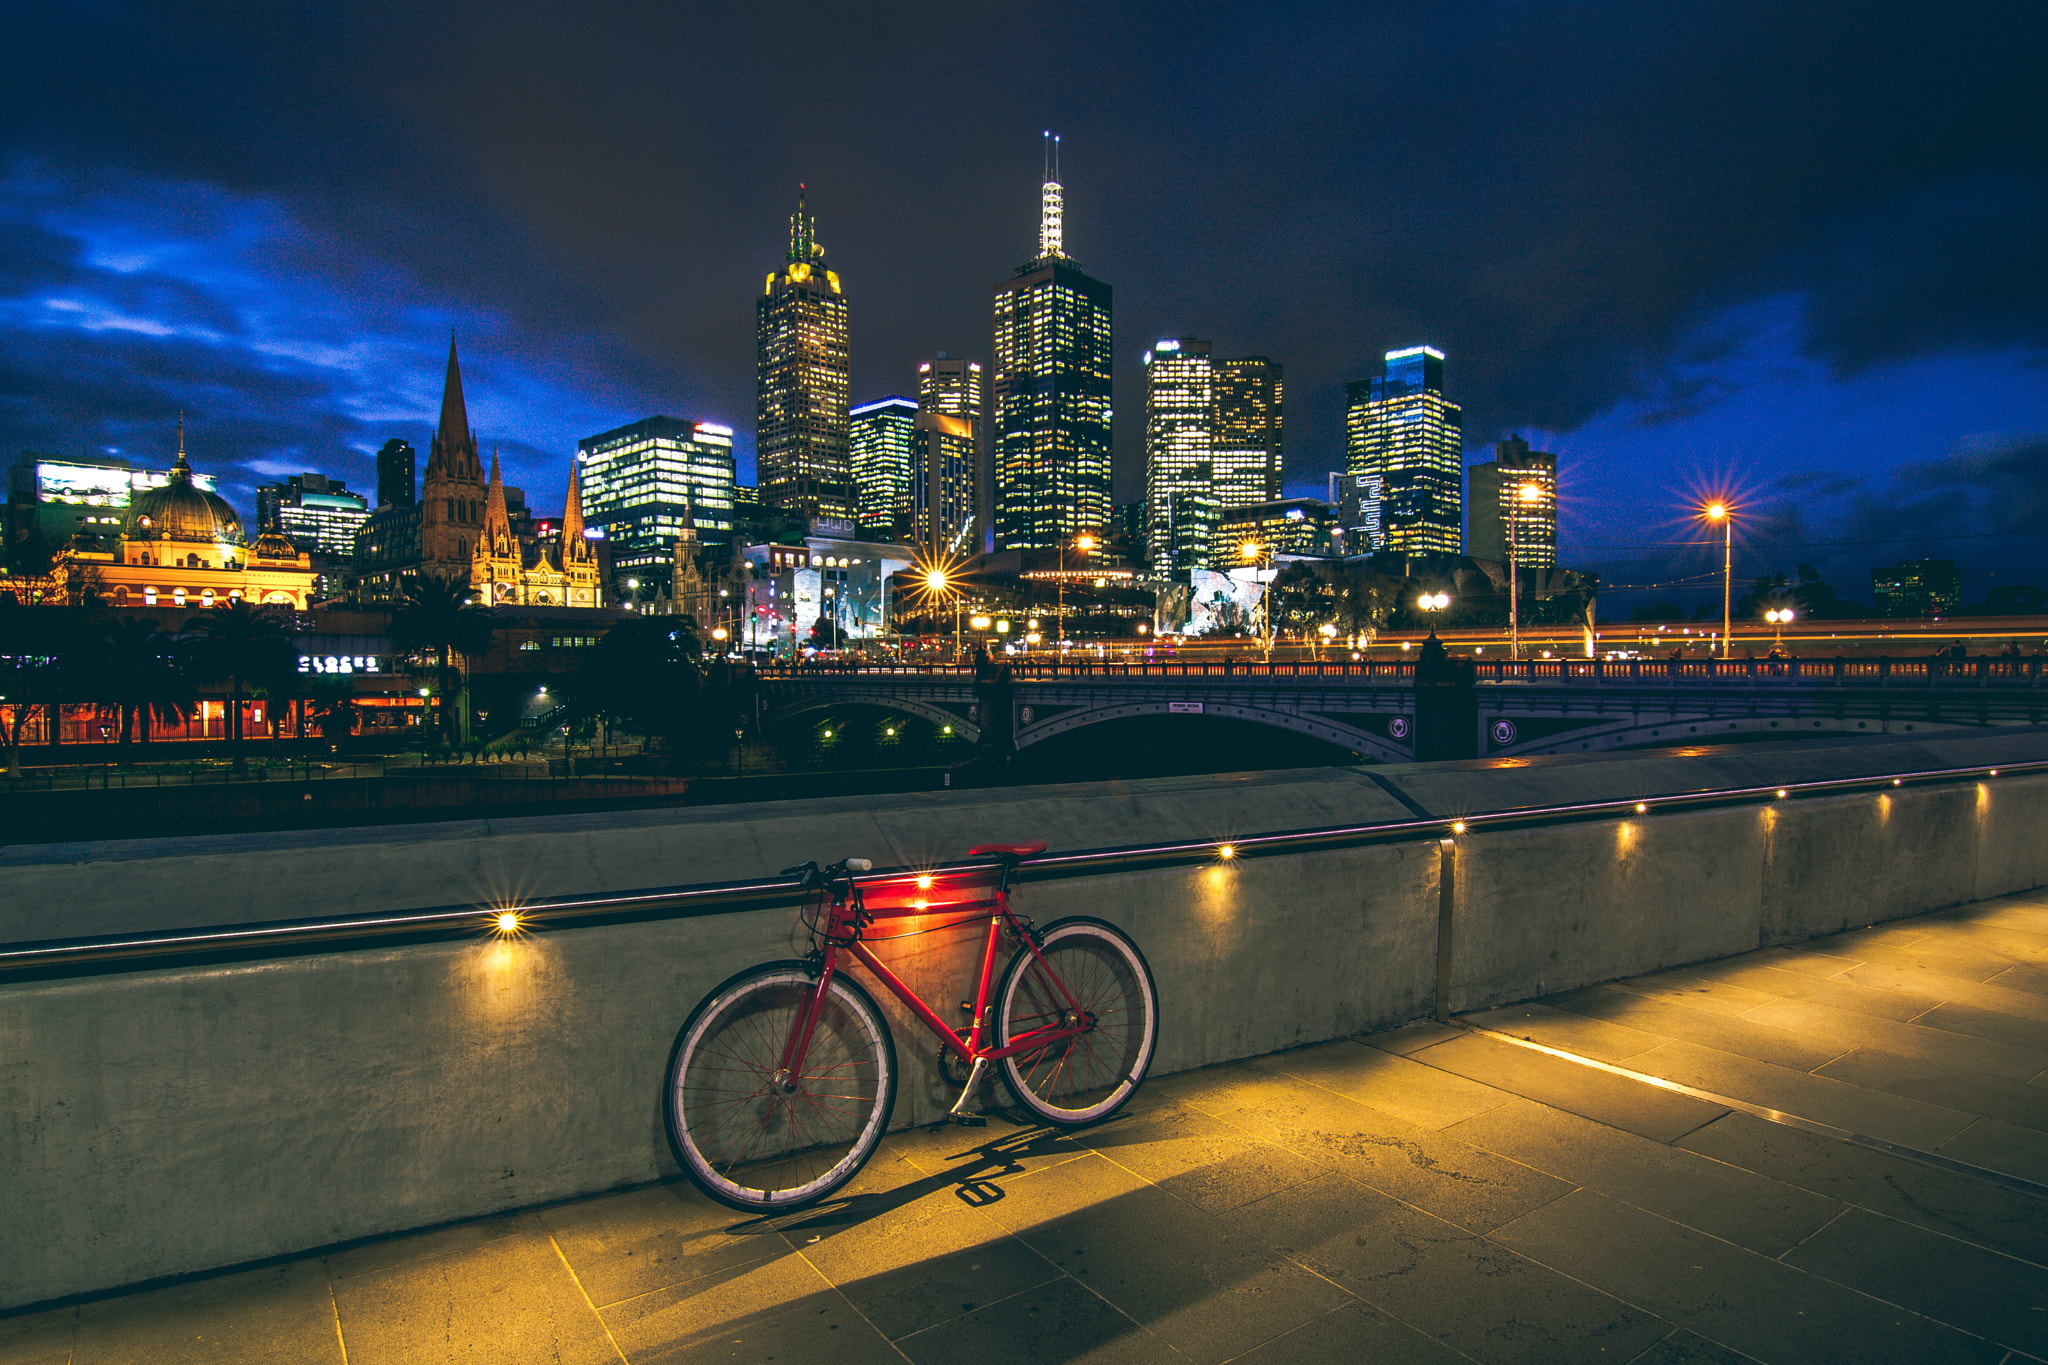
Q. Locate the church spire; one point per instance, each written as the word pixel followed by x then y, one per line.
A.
pixel 497 521
pixel 454 424
pixel 572 522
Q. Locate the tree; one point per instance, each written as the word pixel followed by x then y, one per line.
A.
pixel 439 619
pixel 39 667
pixel 335 709
pixel 245 645
pixel 141 675
pixel 647 676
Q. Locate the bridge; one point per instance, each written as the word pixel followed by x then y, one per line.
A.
pixel 1530 707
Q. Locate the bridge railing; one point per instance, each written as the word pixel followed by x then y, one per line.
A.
pixel 1841 672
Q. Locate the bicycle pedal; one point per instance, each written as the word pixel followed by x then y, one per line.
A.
pixel 968 1120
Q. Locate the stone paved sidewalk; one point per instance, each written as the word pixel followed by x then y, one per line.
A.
pixel 1433 1194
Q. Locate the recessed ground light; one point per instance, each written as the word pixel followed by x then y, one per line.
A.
pixel 1641 807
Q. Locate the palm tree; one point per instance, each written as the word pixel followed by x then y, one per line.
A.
pixel 439 618
pixel 39 667
pixel 242 644
pixel 142 677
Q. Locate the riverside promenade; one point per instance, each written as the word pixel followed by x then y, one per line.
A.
pixel 1519 1185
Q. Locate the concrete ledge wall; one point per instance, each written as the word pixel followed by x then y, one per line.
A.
pixel 160 1122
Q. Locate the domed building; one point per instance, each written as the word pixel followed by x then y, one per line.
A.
pixel 181 546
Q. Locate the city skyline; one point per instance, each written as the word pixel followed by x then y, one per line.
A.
pixel 1809 282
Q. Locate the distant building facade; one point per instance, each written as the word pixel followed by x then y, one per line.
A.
pixel 1404 459
pixel 1051 405
pixel 946 458
pixel 319 514
pixel 1181 503
pixel 1497 499
pixel 1918 587
pixel 1247 436
pixel 179 545
pixel 801 438
pixel 397 474
pixel 881 435
pixel 648 484
pixel 1284 526
pixel 56 497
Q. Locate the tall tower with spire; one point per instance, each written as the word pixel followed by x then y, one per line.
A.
pixel 576 558
pixel 452 491
pixel 497 561
pixel 802 447
pixel 1051 389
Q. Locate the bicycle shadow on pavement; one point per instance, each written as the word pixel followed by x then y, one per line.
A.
pixel 974 1180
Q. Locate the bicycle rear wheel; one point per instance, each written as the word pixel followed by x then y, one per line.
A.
pixel 745 1140
pixel 1090 1075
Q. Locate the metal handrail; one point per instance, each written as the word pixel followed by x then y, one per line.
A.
pixel 278 938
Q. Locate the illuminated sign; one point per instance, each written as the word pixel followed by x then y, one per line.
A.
pixel 339 663
pixel 1167 346
pixel 1430 351
pixel 713 429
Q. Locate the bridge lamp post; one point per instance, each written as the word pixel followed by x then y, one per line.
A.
pixel 1083 543
pixel 1525 495
pixel 1260 557
pixel 1779 619
pixel 980 624
pixel 1433 602
pixel 1329 634
pixel 1724 514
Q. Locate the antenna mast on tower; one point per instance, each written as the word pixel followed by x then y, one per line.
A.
pixel 1051 205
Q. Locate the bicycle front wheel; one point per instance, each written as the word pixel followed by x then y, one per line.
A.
pixel 756 1141
pixel 1106 981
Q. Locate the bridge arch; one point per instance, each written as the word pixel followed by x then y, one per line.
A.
pixel 908 706
pixel 1705 729
pixel 1315 727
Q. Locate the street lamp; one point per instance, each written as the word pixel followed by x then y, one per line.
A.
pixel 1329 633
pixel 1724 514
pixel 1779 617
pixel 1525 495
pixel 1083 543
pixel 1261 558
pixel 1433 602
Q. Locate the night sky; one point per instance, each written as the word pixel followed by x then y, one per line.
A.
pixel 1796 252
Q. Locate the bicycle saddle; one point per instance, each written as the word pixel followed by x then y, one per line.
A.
pixel 1006 850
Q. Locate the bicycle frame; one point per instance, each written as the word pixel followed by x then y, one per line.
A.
pixel 849 918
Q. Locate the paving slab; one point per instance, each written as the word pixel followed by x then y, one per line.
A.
pixel 1749 1209
pixel 1750 1303
pixel 1585 1034
pixel 2002 1147
pixel 1417 1093
pixel 507 1297
pixel 1892 1117
pixel 1466 1292
pixel 1912 1038
pixel 1674 1017
pixel 1659 1115
pixel 1994 1296
pixel 280 1314
pixel 1922 1078
pixel 1958 1206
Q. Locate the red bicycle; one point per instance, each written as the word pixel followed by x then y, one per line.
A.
pixel 783 1079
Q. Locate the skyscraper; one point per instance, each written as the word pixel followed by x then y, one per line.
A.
pixel 801 438
pixel 652 481
pixel 1404 458
pixel 397 474
pixel 1051 391
pixel 1247 435
pixel 1181 503
pixel 1212 447
pixel 1497 498
pixel 880 438
pixel 946 457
